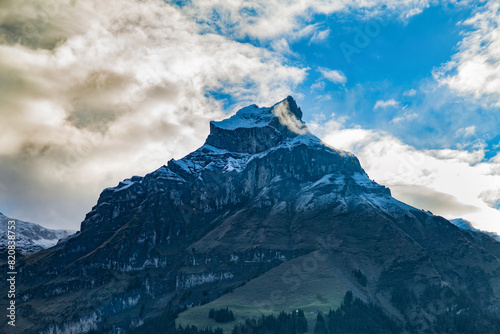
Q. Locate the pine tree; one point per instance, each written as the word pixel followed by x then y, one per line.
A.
pixel 320 327
pixel 348 298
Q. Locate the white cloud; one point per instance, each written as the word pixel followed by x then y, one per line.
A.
pixel 322 128
pixel 447 182
pixel 412 12
pixel 467 131
pixel 320 36
pixel 475 69
pixel 333 75
pixel 281 46
pixel 118 96
pixel 492 197
pixel 319 85
pixel 411 92
pixel 404 117
pixel 381 104
pixel 268 19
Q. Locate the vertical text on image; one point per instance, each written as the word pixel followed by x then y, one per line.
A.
pixel 11 271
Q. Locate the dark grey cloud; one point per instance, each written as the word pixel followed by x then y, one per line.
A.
pixel 93 103
pixel 37 24
pixel 426 198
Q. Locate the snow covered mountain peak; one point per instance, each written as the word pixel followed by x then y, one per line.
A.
pixel 286 111
pixel 252 134
pixel 31 238
pixel 254 130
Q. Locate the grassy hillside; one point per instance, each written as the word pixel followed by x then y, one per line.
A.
pixel 305 283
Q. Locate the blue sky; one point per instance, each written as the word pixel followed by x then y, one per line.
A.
pixel 102 91
pixel 386 58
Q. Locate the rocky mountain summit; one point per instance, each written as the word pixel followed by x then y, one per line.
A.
pixel 263 217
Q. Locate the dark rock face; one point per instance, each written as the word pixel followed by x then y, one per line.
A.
pixel 261 191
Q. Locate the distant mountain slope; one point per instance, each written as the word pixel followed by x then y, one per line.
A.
pixel 31 238
pixel 467 226
pixel 262 218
